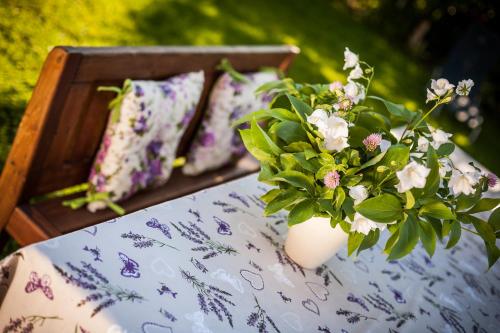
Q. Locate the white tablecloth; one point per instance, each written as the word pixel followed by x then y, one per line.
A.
pixel 210 262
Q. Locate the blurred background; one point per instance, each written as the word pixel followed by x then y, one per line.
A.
pixel 408 42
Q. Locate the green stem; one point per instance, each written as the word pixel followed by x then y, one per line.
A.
pixel 472 232
pixel 419 122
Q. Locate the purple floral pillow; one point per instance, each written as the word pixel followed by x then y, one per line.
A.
pixel 139 145
pixel 217 142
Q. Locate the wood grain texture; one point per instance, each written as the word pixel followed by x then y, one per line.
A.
pixel 63 125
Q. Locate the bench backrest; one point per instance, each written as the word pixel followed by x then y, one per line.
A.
pixel 64 121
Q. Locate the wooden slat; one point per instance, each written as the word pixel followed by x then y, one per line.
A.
pixel 27 141
pixel 61 220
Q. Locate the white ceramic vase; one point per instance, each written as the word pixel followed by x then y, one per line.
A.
pixel 313 242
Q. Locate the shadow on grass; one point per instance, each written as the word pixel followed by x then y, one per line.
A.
pixel 319 28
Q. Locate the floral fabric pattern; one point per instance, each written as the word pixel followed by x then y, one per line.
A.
pixel 139 144
pixel 172 268
pixel 217 142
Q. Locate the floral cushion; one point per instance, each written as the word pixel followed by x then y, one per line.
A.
pixel 145 127
pixel 217 142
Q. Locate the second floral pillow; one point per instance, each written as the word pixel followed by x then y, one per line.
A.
pixel 217 142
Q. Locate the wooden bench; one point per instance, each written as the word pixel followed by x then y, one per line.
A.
pixel 64 121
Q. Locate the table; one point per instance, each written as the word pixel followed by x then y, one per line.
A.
pixel 210 262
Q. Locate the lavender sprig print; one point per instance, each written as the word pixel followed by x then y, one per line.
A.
pixel 352 298
pixel 230 208
pixel 168 315
pixel 325 272
pixel 195 234
pixel 259 318
pixel 96 252
pixel 401 318
pixel 238 197
pixel 164 289
pixel 211 299
pixel 89 278
pixel 153 223
pixel 141 241
pixel 282 256
pixel 27 324
pixel 450 316
pixel 196 214
pixel 353 317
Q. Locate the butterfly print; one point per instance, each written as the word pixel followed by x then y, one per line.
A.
pixel 42 283
pixel 166 290
pixel 224 228
pixel 153 223
pixel 131 268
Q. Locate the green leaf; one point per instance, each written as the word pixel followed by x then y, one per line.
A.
pixel 485 230
pixel 391 241
pixel 445 149
pixel 408 238
pixel 265 174
pixel 277 113
pixel 291 131
pixel 467 201
pixel 397 110
pixel 373 121
pixel 369 240
pixel 438 210
pixel 302 211
pixel 262 140
pixel 354 241
pixel 309 165
pixel 297 179
pixel 494 219
pixel 297 147
pixel 357 135
pixel 270 195
pixel 269 86
pixel 302 109
pixel 428 237
pixel 433 179
pixel 339 197
pixel 258 153
pixel 438 227
pixel 410 200
pixel 455 233
pixel 484 204
pixel 384 208
pixel 283 200
pixel 487 233
pixel 397 154
pixel 373 161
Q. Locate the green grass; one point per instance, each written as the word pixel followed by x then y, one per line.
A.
pixel 29 28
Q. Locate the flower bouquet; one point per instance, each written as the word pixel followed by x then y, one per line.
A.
pixel 332 156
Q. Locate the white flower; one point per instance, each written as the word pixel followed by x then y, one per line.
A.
pixel 384 145
pixel 336 144
pixel 444 167
pixel 464 179
pixel 358 193
pixel 318 117
pixel 430 96
pixel 412 175
pixel 364 225
pixel 355 91
pixel 441 86
pixel 439 137
pixel 464 87
pixel 356 73
pixel 423 144
pixel 335 131
pixel 350 59
pixel 336 85
pixel 335 127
